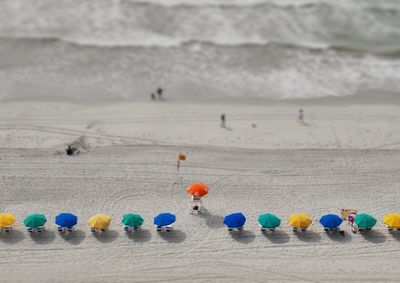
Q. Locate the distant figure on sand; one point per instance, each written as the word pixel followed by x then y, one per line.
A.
pixel 223 124
pixel 153 96
pixel 71 150
pixel 159 93
pixel 301 116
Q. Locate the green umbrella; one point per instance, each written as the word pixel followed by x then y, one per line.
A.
pixel 365 221
pixel 269 220
pixel 35 220
pixel 132 220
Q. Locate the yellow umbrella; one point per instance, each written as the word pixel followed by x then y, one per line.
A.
pixel 300 220
pixel 392 220
pixel 99 221
pixel 6 220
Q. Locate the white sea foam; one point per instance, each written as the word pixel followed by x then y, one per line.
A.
pixel 269 48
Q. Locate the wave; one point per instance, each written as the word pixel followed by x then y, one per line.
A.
pixel 226 3
pixel 389 51
pixel 361 26
pixel 383 4
pixel 272 70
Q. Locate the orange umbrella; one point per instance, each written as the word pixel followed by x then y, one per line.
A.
pixel 197 189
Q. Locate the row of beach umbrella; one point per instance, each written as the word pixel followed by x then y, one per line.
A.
pixel 98 221
pixel 303 221
pixel 234 220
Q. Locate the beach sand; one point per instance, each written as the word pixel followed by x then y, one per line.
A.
pixel 344 154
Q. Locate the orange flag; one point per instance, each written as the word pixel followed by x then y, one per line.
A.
pixel 182 157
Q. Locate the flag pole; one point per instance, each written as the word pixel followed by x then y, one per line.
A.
pixel 177 173
pixel 181 157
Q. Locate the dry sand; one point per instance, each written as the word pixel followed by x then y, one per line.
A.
pixel 342 156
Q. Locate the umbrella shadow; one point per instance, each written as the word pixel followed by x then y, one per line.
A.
pixel 373 236
pixel 75 237
pixel 141 236
pixel 308 236
pixel 277 237
pixel 12 237
pixel 395 235
pixel 175 236
pixel 106 237
pixel 244 236
pixel 43 238
pixel 338 237
pixel 212 220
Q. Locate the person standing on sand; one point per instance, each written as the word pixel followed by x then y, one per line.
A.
pixel 351 219
pixel 159 93
pixel 223 120
pixel 153 96
pixel 301 116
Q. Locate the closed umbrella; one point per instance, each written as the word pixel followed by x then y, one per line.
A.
pixel 331 221
pixel 365 221
pixel 269 221
pixel 35 220
pixel 164 219
pixel 300 220
pixel 235 220
pixel 99 221
pixel 67 220
pixel 132 220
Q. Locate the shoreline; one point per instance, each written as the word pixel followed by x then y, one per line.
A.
pixel 250 124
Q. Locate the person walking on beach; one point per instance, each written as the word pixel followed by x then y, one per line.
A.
pixel 153 96
pixel 159 93
pixel 223 124
pixel 301 116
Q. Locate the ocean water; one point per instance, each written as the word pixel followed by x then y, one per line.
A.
pixel 262 48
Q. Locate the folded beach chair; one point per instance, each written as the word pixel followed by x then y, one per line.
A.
pixel 64 229
pixel 297 229
pixel 37 229
pixel 167 228
pixel 132 229
pixel 6 229
pixel 265 229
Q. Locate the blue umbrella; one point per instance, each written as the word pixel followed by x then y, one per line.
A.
pixel 66 220
pixel 234 220
pixel 164 219
pixel 331 221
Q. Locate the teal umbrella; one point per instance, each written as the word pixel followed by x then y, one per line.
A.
pixel 132 220
pixel 365 221
pixel 269 220
pixel 35 220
